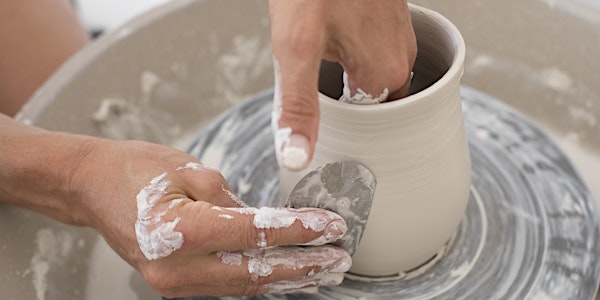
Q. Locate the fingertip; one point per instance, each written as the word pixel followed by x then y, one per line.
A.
pixel 331 279
pixel 295 152
pixel 332 232
pixel 306 285
pixel 343 264
pixel 404 91
pixel 335 230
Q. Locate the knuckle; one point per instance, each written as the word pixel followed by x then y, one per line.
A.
pixel 299 105
pixel 256 238
pixel 412 45
pixel 400 71
pixel 299 42
pixel 214 173
pixel 215 180
pixel 263 238
pixel 203 241
pixel 252 238
pixel 210 183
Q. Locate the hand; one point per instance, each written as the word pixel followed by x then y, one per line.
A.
pixel 182 227
pixel 373 40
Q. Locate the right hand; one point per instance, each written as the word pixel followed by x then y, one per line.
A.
pixel 226 249
pixel 374 41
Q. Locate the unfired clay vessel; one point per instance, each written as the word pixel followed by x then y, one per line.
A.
pixel 416 147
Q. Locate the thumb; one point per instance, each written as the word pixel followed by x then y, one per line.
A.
pixel 295 118
pixel 298 44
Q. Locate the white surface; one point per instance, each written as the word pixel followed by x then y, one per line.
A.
pixel 109 14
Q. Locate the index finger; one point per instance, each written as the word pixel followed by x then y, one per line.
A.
pixel 235 228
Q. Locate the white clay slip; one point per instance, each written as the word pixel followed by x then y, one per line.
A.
pixel 291 149
pixel 331 224
pixel 307 285
pixel 262 240
pixel 196 166
pixel 262 262
pixel 234 197
pixel 230 258
pixel 156 238
pixel 361 97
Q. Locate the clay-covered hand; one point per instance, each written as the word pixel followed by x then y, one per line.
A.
pixel 167 215
pixel 373 40
pixel 181 226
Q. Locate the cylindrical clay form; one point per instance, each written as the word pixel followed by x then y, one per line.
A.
pixel 416 148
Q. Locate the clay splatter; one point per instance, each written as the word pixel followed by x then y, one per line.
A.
pixel 229 258
pixel 262 262
pixel 361 97
pixel 162 240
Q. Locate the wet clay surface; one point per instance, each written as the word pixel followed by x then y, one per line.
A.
pixel 530 230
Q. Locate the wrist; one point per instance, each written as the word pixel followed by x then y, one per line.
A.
pixel 37 171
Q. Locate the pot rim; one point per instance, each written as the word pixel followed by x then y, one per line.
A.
pixel 455 71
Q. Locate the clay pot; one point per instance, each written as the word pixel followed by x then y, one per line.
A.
pixel 416 147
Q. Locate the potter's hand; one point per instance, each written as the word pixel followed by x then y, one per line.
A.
pixel 373 40
pixel 193 235
pixel 174 220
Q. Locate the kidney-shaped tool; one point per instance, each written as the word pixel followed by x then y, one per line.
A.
pixel 344 187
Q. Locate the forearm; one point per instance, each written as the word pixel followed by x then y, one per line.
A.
pixel 36 168
pixel 36 37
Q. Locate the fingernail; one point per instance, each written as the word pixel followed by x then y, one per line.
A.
pixel 332 232
pixel 302 285
pixel 306 290
pixel 339 260
pixel 342 265
pixel 335 230
pixel 330 279
pixel 294 154
pixel 306 285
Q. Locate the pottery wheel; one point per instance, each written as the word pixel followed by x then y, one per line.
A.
pixel 530 229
